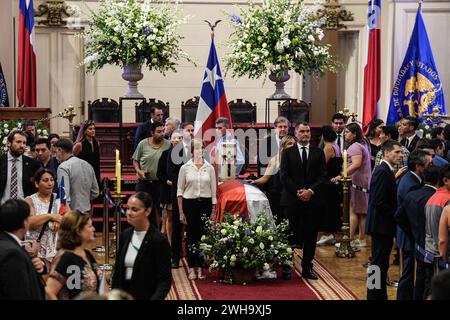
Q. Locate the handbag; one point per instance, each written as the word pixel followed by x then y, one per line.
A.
pixel 44 227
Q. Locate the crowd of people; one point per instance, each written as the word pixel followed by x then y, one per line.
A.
pixel 400 190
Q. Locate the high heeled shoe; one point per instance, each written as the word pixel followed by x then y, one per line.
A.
pixel 200 274
pixel 192 275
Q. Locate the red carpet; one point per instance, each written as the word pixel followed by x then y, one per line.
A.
pixel 327 287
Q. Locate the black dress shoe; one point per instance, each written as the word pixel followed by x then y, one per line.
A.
pixel 309 274
pixel 287 274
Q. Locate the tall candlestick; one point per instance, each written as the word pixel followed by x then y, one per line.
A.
pixel 117 155
pixel 118 177
pixel 345 164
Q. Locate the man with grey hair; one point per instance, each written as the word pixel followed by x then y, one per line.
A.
pixel 270 145
pixel 170 125
pixel 223 136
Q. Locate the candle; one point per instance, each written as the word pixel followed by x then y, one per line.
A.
pixel 345 164
pixel 118 177
pixel 117 155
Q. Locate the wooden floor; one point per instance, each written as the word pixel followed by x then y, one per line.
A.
pixel 350 271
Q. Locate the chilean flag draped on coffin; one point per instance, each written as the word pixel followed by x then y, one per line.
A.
pixel 213 101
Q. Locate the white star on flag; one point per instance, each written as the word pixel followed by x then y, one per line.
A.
pixel 212 76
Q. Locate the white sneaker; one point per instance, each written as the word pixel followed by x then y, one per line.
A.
pixel 326 240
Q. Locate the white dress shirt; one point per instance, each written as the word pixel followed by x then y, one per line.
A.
pixel 194 183
pixel 7 191
pixel 301 150
pixel 130 257
pixel 15 237
pixel 389 165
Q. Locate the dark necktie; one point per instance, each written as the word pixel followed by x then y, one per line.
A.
pixel 406 143
pixel 339 141
pixel 13 190
pixel 304 161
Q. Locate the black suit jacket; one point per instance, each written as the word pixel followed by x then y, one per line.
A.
pixel 413 143
pixel 292 177
pixel 410 216
pixel 152 273
pixel 174 165
pixel 19 279
pixel 29 168
pixel 382 202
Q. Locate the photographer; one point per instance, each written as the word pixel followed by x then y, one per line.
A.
pixel 19 278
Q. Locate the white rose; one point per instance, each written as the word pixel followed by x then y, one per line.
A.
pixel 289 250
pixel 237 222
pixel 245 250
pixel 203 238
pixel 311 38
pixel 154 60
pixel 266 266
pixel 270 238
pixel 155 30
pixel 5 125
pixel 259 229
pixel 233 258
pixel 264 45
pixel 261 245
pixel 276 252
pixel 6 131
pixel 19 125
pixel 5 140
pixel 251 241
pixel 235 227
pixel 45 132
pixel 223 232
pixel 225 258
pixel 39 131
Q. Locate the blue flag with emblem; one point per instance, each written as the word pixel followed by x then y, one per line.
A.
pixel 4 101
pixel 418 89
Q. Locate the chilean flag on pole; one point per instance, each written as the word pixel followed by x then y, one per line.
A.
pixel 213 101
pixel 26 73
pixel 372 71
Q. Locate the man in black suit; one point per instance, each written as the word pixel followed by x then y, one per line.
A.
pixel 410 216
pixel 268 148
pixel 16 170
pixel 407 131
pixel 302 171
pixel 380 223
pixel 19 278
pixel 144 130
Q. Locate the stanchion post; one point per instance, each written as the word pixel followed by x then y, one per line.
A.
pixel 345 250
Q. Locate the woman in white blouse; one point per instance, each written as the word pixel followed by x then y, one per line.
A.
pixel 196 199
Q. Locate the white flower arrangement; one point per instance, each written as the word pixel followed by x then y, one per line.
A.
pixel 133 31
pixel 277 35
pixel 251 246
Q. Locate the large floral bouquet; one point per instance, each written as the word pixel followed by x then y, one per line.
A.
pixel 10 125
pixel 277 35
pixel 133 31
pixel 238 244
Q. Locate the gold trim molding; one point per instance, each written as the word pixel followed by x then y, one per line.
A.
pixel 55 10
pixel 333 15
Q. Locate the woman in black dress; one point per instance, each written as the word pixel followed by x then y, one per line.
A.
pixel 76 234
pixel 331 211
pixel 87 147
pixel 374 139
